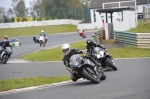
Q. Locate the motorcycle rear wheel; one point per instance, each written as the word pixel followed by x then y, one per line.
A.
pixel 109 63
pixel 83 35
pixel 88 76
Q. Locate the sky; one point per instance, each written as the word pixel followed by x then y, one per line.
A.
pixel 7 3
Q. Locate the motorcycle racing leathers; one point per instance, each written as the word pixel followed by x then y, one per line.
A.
pixel 65 60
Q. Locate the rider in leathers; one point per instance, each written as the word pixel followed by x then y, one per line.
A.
pixel 90 45
pixel 67 54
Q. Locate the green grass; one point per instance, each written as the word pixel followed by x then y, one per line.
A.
pixel 56 54
pixel 129 52
pixel 28 82
pixel 35 30
pixel 141 28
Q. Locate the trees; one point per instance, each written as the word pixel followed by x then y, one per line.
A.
pixel 19 8
pixel 1 14
pixel 48 9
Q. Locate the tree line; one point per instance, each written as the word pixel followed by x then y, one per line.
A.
pixel 47 9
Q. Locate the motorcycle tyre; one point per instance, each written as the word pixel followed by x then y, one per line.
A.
pixel 4 59
pixel 41 43
pixel 83 35
pixel 110 64
pixel 89 77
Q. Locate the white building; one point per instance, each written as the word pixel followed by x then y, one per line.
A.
pixel 122 20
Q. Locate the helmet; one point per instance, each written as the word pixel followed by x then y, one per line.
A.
pixel 66 49
pixel 42 30
pixel 89 42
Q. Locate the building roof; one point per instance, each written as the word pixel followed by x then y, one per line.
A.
pixel 113 10
pixel 98 3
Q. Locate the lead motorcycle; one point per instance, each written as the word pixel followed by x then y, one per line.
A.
pixel 103 57
pixel 84 68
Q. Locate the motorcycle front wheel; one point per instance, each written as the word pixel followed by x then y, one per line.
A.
pixel 83 35
pixel 89 74
pixel 4 59
pixel 41 42
pixel 109 63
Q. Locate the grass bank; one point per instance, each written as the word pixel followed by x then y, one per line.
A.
pixel 141 28
pixel 56 54
pixel 35 30
pixel 28 82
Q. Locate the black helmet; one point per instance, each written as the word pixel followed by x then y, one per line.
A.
pixel 89 42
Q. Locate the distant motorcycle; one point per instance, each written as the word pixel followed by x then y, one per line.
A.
pixel 103 57
pixel 81 33
pixel 42 40
pixel 84 68
pixel 5 52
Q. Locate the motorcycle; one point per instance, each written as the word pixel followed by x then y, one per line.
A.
pixel 103 57
pixel 84 68
pixel 81 33
pixel 42 40
pixel 36 39
pixel 5 52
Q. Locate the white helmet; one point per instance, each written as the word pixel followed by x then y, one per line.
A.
pixel 42 30
pixel 66 48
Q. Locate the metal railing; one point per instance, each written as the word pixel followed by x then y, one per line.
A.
pixel 139 40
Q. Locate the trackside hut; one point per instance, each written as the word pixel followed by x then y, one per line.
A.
pixel 122 19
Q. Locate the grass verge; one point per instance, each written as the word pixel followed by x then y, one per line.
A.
pixel 56 54
pixel 35 30
pixel 27 82
pixel 141 28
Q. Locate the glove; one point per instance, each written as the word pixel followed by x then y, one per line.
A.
pixel 69 69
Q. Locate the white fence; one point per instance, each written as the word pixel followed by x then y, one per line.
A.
pixel 39 23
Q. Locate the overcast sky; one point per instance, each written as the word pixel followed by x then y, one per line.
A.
pixel 7 3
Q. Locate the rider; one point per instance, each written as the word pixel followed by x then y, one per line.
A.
pixel 5 43
pixel 90 46
pixel 5 38
pixel 43 33
pixel 68 52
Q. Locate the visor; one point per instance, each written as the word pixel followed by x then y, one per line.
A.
pixel 65 50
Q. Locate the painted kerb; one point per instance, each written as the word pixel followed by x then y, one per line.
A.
pixel 139 40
